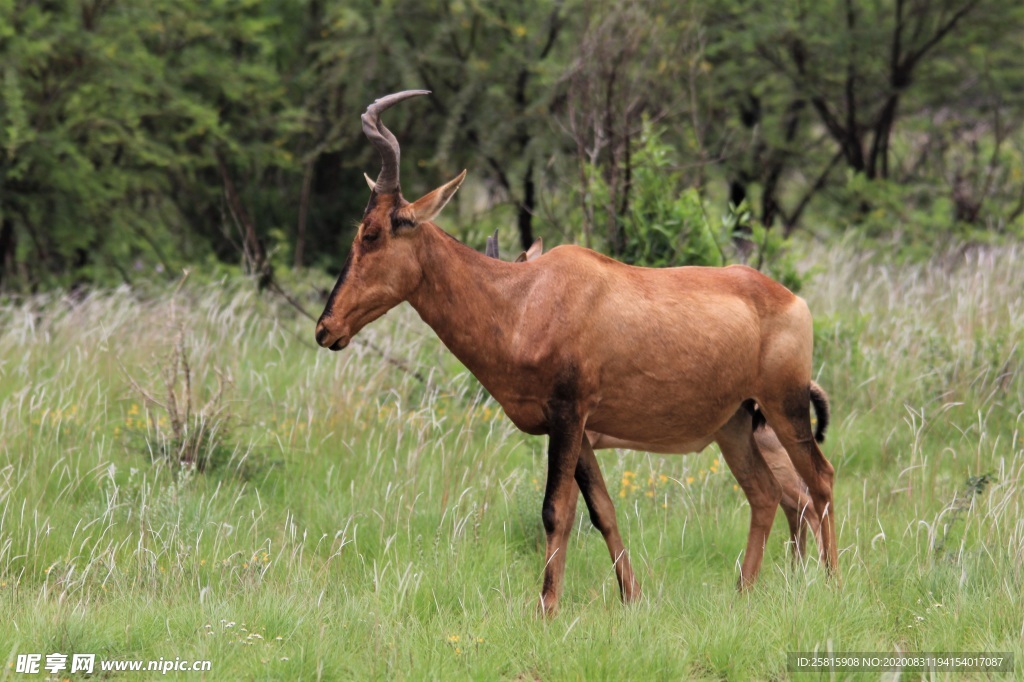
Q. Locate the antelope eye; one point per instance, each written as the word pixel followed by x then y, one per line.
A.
pixel 371 236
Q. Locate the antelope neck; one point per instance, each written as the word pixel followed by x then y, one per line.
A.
pixel 472 302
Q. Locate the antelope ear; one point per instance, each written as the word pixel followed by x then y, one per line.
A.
pixel 429 205
pixel 535 250
pixel 370 182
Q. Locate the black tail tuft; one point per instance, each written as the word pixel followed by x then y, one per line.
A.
pixel 821 408
pixel 819 399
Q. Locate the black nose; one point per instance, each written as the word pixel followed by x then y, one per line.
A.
pixel 321 334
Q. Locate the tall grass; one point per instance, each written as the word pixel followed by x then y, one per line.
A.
pixel 357 521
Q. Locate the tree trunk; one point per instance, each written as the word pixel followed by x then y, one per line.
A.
pixel 7 244
pixel 526 208
pixel 300 237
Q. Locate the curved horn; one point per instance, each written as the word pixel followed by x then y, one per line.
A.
pixel 384 141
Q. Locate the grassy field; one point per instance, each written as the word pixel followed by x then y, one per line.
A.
pixel 358 517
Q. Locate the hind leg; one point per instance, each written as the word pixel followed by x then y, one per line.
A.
pixel 797 535
pixel 796 502
pixel 570 514
pixel 788 413
pixel 736 439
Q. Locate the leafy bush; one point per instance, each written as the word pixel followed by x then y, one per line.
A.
pixel 667 223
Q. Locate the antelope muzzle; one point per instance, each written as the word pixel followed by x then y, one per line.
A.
pixel 330 339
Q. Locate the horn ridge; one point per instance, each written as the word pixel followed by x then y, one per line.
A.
pixel 383 139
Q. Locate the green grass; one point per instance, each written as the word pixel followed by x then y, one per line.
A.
pixel 355 522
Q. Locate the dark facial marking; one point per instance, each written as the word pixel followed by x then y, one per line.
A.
pixel 337 286
pixel 399 221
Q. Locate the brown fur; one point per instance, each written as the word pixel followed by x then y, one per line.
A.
pixel 575 341
pixel 796 503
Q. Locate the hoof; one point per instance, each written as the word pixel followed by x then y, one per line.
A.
pixel 547 607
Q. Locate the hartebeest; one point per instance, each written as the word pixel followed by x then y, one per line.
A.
pixel 664 360
pixel 796 502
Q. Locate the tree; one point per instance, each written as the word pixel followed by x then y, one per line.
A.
pixel 125 126
pixel 848 68
pixel 634 62
pixel 140 136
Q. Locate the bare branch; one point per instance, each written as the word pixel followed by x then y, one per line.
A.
pixel 941 33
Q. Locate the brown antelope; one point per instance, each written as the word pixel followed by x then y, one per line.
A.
pixel 796 502
pixel 665 360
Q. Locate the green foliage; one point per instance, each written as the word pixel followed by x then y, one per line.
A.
pixel 908 221
pixel 666 223
pixel 120 125
pixel 775 255
pixel 139 137
pixel 875 91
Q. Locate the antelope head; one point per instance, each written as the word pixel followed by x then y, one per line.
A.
pixel 383 266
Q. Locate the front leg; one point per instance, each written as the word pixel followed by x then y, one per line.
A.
pixel 560 495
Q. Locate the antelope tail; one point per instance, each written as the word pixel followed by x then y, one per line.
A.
pixel 819 399
pixel 821 408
